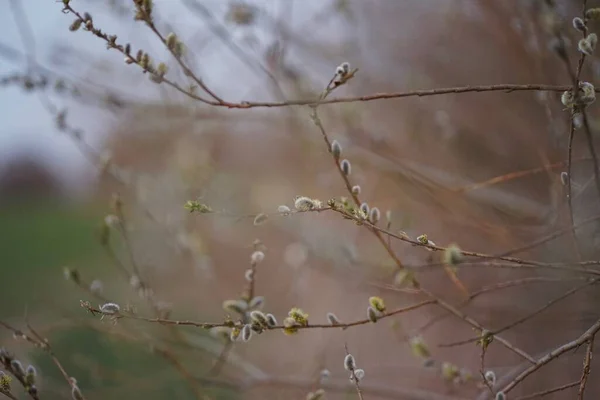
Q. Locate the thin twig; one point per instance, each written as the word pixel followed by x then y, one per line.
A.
pixel 487 289
pixel 508 88
pixel 575 79
pixel 571 137
pixel 570 187
pixel 478 326
pixel 586 367
pixel 209 325
pixel 548 391
pixel 557 352
pixel 8 394
pixel 515 175
pixel 44 345
pixel 482 370
pixel 187 71
pixel 530 315
pixel 221 360
pixel 25 31
pixel 354 378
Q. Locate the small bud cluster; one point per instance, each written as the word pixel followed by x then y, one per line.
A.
pixel 336 149
pixel 490 377
pixel 174 44
pixel 88 23
pixel 356 374
pixel 453 255
pixel 257 321
pixel 344 165
pixel 376 308
pixel 423 239
pixel 587 45
pixel 404 277
pixel 110 308
pixel 579 24
pixel 333 319
pixel 363 213
pixel 452 373
pixel 419 348
pixel 284 210
pixel 303 203
pixel 30 376
pixel 318 394
pixel 364 210
pixel 485 338
pixel 246 332
pixel 324 375
pixel 27 376
pixel 5 380
pixel 564 178
pixel 143 10
pixel 585 96
pixel 296 318
pixel 342 73
pixel 195 206
pixel 249 275
pixel 252 319
pixel 257 257
pixel 260 219
pixel 235 306
pixel 157 75
pixel 592 14
pixel 75 391
pixel 111 311
pixel 373 215
pixel 360 214
pixel 241 13
pixel 75 25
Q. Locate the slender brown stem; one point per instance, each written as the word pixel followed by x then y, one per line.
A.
pixel 209 325
pixel 8 394
pixel 530 315
pixel 586 367
pixel 186 69
pixel 548 391
pixel 482 369
pixel 478 326
pixel 42 343
pixel 570 187
pixel 557 352
pixel 354 379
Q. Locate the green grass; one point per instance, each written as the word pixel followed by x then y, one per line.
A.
pixel 37 239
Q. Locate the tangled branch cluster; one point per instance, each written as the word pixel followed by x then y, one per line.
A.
pixel 246 317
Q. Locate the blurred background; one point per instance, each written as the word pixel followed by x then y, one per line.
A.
pixel 82 131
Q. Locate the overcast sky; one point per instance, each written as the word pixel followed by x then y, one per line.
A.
pixel 27 127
